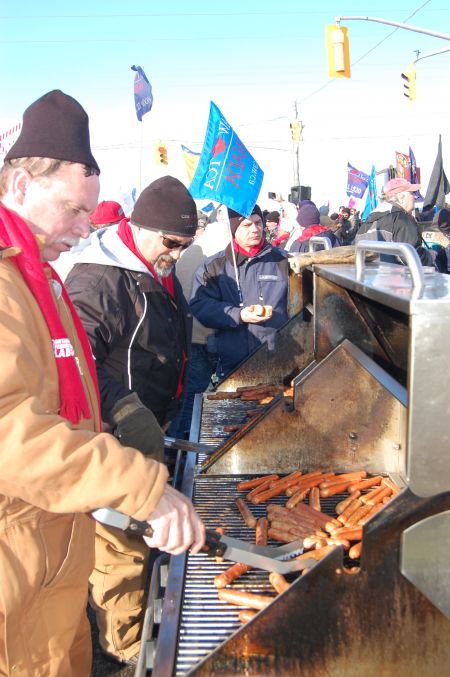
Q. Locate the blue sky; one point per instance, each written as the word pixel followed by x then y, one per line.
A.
pixel 256 60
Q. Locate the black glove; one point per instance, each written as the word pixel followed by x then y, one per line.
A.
pixel 136 426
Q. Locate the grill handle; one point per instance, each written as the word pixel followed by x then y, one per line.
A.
pixel 317 239
pixel 406 251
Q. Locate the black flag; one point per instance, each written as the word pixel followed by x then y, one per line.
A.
pixel 439 185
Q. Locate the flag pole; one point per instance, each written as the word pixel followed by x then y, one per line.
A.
pixel 233 253
pixel 140 159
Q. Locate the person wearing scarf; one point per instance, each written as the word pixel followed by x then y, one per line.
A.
pixel 139 327
pixel 56 466
pixel 232 287
pixel 309 219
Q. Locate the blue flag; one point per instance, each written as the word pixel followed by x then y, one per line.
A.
pixel 143 96
pixel 226 171
pixel 357 182
pixel 372 197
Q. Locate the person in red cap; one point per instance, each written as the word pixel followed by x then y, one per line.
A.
pixel 108 213
pixel 392 220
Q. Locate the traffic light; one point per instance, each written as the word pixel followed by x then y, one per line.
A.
pixel 410 82
pixel 336 39
pixel 296 130
pixel 161 154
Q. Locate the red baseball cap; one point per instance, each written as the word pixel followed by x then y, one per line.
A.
pixel 107 212
pixel 395 186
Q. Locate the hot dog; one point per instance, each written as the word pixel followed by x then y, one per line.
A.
pixel 282 536
pixel 389 483
pixel 334 489
pixel 355 551
pixel 314 498
pixel 257 490
pixel 246 514
pixel 231 428
pixel 349 533
pixel 230 575
pixel 339 479
pixel 246 615
pixel 316 554
pixel 382 494
pixel 279 582
pixel 261 535
pixel 251 484
pixel 296 498
pixel 241 598
pixel 343 505
pixel 364 484
pixel 350 509
pixel 359 514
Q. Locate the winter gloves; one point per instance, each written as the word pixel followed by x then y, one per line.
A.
pixel 136 426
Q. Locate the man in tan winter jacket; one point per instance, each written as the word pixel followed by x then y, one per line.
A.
pixel 55 465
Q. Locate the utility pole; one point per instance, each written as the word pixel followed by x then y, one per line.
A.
pixel 296 148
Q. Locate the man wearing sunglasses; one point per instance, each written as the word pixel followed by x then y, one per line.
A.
pixel 139 326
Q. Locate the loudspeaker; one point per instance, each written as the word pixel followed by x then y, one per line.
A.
pixel 305 193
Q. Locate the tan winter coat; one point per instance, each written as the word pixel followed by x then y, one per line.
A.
pixel 52 474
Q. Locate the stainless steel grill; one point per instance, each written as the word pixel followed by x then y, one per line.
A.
pixel 372 337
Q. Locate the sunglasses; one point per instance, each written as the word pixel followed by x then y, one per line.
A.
pixel 174 244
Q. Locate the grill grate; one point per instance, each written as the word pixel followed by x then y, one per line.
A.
pixel 206 621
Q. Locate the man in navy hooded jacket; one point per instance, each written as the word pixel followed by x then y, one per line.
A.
pixel 234 310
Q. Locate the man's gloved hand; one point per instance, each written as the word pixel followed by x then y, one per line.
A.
pixel 136 426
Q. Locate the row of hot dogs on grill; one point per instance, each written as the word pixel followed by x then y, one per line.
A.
pixel 299 520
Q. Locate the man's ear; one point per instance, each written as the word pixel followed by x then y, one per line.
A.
pixel 20 181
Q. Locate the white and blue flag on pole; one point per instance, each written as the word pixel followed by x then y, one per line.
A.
pixel 143 95
pixel 226 172
pixel 372 197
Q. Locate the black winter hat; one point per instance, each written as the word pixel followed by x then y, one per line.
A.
pixel 166 205
pixel 55 126
pixel 239 218
pixel 273 217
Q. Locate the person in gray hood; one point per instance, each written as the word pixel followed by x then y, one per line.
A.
pixel 139 326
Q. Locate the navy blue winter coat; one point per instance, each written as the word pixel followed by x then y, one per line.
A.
pixel 215 300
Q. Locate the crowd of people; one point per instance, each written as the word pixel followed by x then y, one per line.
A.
pixel 109 327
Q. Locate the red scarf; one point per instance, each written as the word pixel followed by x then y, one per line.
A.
pixel 126 235
pixel 311 231
pixel 249 252
pixel 15 233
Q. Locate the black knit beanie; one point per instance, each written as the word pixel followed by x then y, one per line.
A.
pixel 166 205
pixel 55 126
pixel 236 218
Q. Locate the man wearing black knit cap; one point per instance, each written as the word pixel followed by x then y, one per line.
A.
pixel 242 292
pixel 56 467
pixel 139 326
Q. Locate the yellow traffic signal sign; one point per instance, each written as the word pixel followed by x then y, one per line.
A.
pixel 338 51
pixel 410 82
pixel 161 154
pixel 296 130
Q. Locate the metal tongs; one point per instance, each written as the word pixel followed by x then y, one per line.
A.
pixel 280 559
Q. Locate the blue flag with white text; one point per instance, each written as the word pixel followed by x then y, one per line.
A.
pixel 357 182
pixel 226 171
pixel 143 95
pixel 372 197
